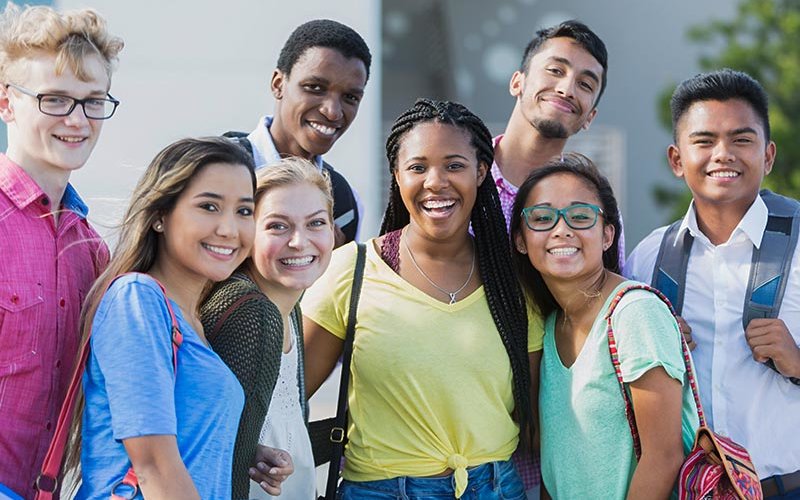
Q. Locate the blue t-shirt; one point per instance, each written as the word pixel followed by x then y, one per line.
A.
pixel 131 391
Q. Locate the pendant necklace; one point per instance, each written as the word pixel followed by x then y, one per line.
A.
pixel 452 294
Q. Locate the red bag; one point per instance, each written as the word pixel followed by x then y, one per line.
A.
pixel 716 466
pixel 47 481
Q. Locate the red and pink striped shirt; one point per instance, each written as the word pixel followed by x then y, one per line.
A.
pixel 45 274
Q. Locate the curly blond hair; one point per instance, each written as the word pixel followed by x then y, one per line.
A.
pixel 71 36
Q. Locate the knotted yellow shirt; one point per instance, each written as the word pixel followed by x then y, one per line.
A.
pixel 431 383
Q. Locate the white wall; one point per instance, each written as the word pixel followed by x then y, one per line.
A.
pixel 197 67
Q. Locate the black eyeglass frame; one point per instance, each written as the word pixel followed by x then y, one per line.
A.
pixel 74 100
pixel 562 213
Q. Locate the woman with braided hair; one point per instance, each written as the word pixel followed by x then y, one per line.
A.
pixel 440 379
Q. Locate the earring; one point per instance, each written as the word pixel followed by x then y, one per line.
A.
pixel 158 226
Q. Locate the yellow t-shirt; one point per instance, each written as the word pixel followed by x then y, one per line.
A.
pixel 431 383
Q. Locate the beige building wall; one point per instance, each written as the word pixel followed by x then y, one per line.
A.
pixel 197 67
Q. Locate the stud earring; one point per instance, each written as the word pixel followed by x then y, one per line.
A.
pixel 158 227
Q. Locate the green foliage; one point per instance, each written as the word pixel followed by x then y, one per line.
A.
pixel 763 40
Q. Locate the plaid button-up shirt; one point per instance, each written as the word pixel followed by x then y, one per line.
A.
pixel 46 272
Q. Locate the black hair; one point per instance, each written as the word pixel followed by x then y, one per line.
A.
pixel 323 33
pixel 583 168
pixel 582 35
pixel 721 85
pixel 503 293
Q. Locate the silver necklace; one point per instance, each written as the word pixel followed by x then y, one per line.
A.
pixel 452 294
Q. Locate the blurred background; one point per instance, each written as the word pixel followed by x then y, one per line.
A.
pixel 196 67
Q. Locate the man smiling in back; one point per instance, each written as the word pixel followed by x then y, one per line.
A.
pixel 55 73
pixel 318 85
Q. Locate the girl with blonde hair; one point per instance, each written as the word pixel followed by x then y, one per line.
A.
pixel 253 319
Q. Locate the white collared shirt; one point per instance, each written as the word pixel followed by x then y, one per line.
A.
pixel 264 150
pixel 265 153
pixel 743 399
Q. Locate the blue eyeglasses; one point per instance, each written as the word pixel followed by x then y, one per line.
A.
pixel 578 216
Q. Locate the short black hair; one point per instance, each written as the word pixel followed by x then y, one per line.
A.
pixel 323 33
pixel 720 85
pixel 582 35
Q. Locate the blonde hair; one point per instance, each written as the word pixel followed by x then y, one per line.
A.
pixel 155 196
pixel 72 36
pixel 290 171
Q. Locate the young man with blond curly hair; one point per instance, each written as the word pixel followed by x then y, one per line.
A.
pixel 55 74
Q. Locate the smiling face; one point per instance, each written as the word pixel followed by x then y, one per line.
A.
pixel 438 175
pixel 557 94
pixel 209 232
pixel 52 145
pixel 722 153
pixel 316 102
pixel 294 238
pixel 563 253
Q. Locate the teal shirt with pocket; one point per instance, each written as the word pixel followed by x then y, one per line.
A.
pixel 586 446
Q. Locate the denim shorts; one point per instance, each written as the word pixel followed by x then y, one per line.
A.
pixel 490 481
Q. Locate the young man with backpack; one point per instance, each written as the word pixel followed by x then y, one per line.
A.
pixel 731 268
pixel 318 85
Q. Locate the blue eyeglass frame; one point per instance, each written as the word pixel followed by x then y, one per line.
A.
pixel 562 213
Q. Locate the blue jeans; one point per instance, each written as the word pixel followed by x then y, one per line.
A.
pixel 490 481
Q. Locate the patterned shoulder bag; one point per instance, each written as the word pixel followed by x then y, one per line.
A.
pixel 716 467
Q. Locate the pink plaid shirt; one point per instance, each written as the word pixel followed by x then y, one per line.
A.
pixel 45 274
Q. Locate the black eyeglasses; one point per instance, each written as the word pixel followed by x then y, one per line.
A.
pixel 94 108
pixel 578 216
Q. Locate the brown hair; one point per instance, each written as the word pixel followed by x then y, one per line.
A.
pixel 155 195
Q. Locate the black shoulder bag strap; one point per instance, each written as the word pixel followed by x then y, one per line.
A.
pixel 339 430
pixel 669 273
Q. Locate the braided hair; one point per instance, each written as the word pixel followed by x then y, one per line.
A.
pixel 503 292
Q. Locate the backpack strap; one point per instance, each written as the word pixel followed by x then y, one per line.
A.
pixel 669 272
pixel 773 258
pixel 769 269
pixel 47 481
pixel 612 349
pixel 241 139
pixel 345 207
pixel 771 262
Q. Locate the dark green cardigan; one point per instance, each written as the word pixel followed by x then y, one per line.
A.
pixel 246 330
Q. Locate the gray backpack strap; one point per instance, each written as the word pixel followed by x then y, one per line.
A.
pixel 772 260
pixel 669 273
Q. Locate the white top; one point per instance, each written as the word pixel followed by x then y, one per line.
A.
pixel 742 398
pixel 285 428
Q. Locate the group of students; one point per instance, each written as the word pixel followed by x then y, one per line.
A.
pixel 481 339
